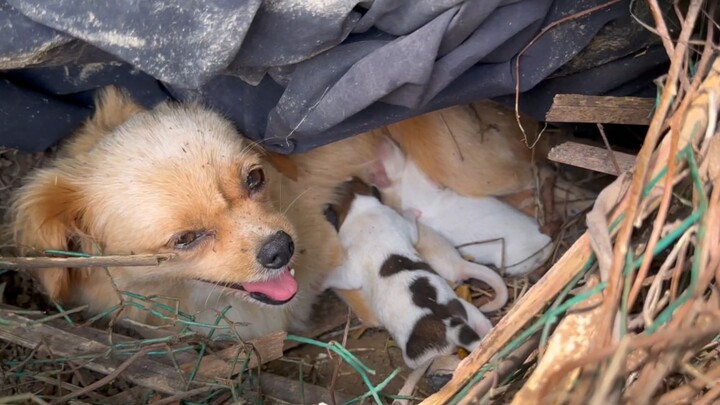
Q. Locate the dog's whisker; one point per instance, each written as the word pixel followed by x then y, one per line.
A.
pixel 215 285
pixel 295 200
pixel 250 145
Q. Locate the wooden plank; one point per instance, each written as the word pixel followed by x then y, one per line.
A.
pixel 90 354
pixel 591 157
pixel 262 350
pixel 230 361
pixel 601 109
pixel 64 340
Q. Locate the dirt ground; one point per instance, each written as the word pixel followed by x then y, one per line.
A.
pixel 315 365
pixel 373 346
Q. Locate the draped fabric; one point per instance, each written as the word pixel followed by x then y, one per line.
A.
pixel 297 74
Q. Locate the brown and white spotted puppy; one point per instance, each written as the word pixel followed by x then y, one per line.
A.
pixel 407 297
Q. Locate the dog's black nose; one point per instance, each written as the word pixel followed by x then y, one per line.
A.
pixel 276 251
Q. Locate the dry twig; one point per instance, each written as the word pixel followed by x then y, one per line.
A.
pixel 91 261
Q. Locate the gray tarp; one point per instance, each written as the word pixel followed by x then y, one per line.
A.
pixel 297 74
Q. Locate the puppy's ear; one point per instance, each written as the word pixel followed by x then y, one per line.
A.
pixel 44 216
pixel 331 215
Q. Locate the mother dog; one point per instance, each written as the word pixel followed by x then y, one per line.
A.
pixel 246 227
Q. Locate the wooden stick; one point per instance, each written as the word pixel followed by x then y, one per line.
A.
pixel 601 128
pixel 91 261
pixel 266 348
pixel 148 373
pixel 141 371
pixel 110 377
pixel 507 366
pixel 591 157
pixel 526 308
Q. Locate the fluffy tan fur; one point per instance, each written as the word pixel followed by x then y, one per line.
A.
pixel 129 180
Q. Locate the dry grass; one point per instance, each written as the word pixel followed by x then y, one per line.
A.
pixel 642 324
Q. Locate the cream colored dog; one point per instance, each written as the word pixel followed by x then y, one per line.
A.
pixel 177 179
pixel 246 227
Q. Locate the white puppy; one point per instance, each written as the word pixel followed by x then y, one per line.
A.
pixel 511 239
pixel 417 306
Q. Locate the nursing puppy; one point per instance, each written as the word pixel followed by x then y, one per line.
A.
pixel 510 239
pixel 417 306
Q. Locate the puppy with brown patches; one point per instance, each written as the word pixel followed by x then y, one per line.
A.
pixel 176 179
pixel 407 296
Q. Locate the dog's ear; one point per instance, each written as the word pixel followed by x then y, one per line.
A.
pixel 45 212
pixel 113 107
pixel 389 165
pixel 282 163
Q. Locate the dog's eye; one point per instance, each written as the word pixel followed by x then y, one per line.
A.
pixel 255 179
pixel 186 239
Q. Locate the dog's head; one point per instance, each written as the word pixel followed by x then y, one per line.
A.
pixel 175 179
pixel 362 204
pixel 347 192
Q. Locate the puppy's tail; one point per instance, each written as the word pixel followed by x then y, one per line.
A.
pixel 491 278
pixel 442 256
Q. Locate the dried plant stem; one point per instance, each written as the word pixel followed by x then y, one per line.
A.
pixel 110 377
pixel 601 128
pixel 659 341
pixel 91 261
pixel 663 209
pixel 689 390
pixel 612 296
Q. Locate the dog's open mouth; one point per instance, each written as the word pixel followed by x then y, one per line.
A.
pixel 275 291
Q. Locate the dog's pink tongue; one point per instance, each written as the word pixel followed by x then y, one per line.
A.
pixel 281 288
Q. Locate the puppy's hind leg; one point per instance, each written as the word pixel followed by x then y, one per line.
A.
pixel 439 253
